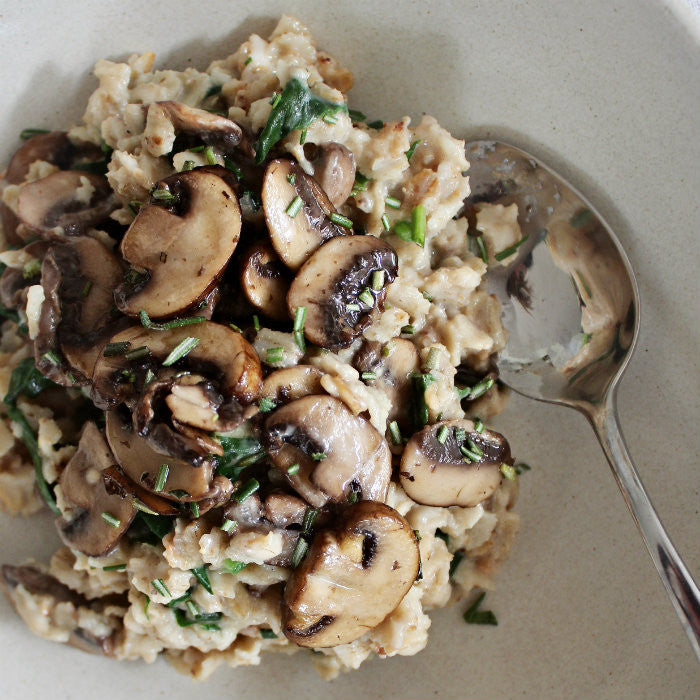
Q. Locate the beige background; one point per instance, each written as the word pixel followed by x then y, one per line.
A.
pixel 606 92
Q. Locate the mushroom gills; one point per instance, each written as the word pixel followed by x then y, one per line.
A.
pixel 451 464
pixel 343 287
pixel 265 281
pixel 340 456
pixel 353 576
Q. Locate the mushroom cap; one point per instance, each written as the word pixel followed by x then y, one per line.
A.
pixel 352 577
pixel 223 356
pixel 52 202
pixel 55 148
pixel 291 383
pixel 393 374
pixel 357 457
pixel 437 474
pixel 265 281
pixel 77 316
pixel 295 238
pixel 334 170
pixel 184 249
pixel 85 493
pixel 335 276
pixel 141 463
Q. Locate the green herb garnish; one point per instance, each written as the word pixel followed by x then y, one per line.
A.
pixel 184 347
pixel 296 109
pixel 294 207
pixel 248 489
pixel 392 202
pixel 274 355
pixel 267 404
pixel 474 616
pixel 340 220
pixel 267 634
pixel 27 134
pixel 233 567
pixel 239 453
pixel 111 520
pixel 160 587
pixel 412 149
pixel 395 433
pixel 200 573
pixel 177 323
pixel 511 249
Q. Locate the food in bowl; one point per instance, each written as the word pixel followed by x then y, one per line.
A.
pixel 247 362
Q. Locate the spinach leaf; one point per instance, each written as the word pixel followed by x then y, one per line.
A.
pixel 150 529
pixel 26 379
pixel 295 108
pixel 239 453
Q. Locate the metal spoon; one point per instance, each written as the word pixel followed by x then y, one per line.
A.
pixel 571 307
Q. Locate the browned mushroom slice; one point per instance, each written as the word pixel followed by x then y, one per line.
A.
pixel 96 520
pixel 70 200
pixel 291 383
pixel 54 147
pixel 297 212
pixel 221 355
pixel 209 128
pixel 183 248
pixel 343 286
pixel 37 582
pixel 390 365
pixel 265 281
pixel 334 170
pixel 142 464
pixel 339 455
pixel 352 577
pixel 451 464
pixel 279 512
pixel 14 281
pixel 77 314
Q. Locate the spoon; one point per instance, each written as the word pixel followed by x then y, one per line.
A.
pixel 571 307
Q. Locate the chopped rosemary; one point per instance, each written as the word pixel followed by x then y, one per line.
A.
pixel 378 280
pixel 165 196
pixel 309 519
pixel 460 434
pixel 294 207
pixel 248 61
pixel 368 376
pixel 330 119
pixel 352 307
pixel 209 155
pixel 177 323
pixel 294 469
pixel 267 634
pixel 356 115
pixel 481 246
pixel 256 322
pixel 456 561
pixel 160 587
pixel 299 318
pixel 318 456
pixel 475 448
pixel 522 467
pixel 340 220
pixel 292 178
pixel 111 520
pixel 509 471
pixel 302 137
pixel 247 489
pixel 162 477
pixel 52 357
pixel 137 353
pixel 433 359
pixel 228 525
pixel 478 425
pixel 273 355
pixel 114 567
pixel 412 149
pixel 300 550
pixel 366 297
pixel 427 296
pixel 187 166
pixel 474 616
pixel 86 288
pixel 511 249
pixel 395 433
pixel 385 222
pixel 408 330
pixel 233 567
pixel 140 505
pixel 418 224
pixel 200 573
pixel 481 388
pixel 267 404
pixel 392 202
pixel 26 134
pixel 184 347
pixel 442 434
pixel 469 455
pixel 194 509
pixel 403 230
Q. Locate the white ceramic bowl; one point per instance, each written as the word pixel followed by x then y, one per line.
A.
pixel 606 92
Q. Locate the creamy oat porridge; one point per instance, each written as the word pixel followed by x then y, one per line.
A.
pixel 247 361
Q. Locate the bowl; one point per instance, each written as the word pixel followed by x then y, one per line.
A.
pixel 607 94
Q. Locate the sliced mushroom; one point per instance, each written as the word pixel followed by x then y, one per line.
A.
pixel 436 471
pixel 54 147
pixel 208 128
pixel 265 281
pixel 116 482
pixel 14 281
pixel 142 464
pixel 37 582
pixel 295 236
pixel 183 248
pixel 291 383
pixel 338 454
pixel 343 286
pixel 334 170
pixel 96 520
pixel 393 363
pixel 279 512
pixel 69 200
pixel 222 355
pixel 352 577
pixel 77 315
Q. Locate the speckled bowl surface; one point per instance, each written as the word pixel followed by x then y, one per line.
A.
pixel 606 92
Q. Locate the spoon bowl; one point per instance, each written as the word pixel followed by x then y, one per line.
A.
pixel 571 307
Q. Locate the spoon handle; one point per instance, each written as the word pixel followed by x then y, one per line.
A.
pixel 679 584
